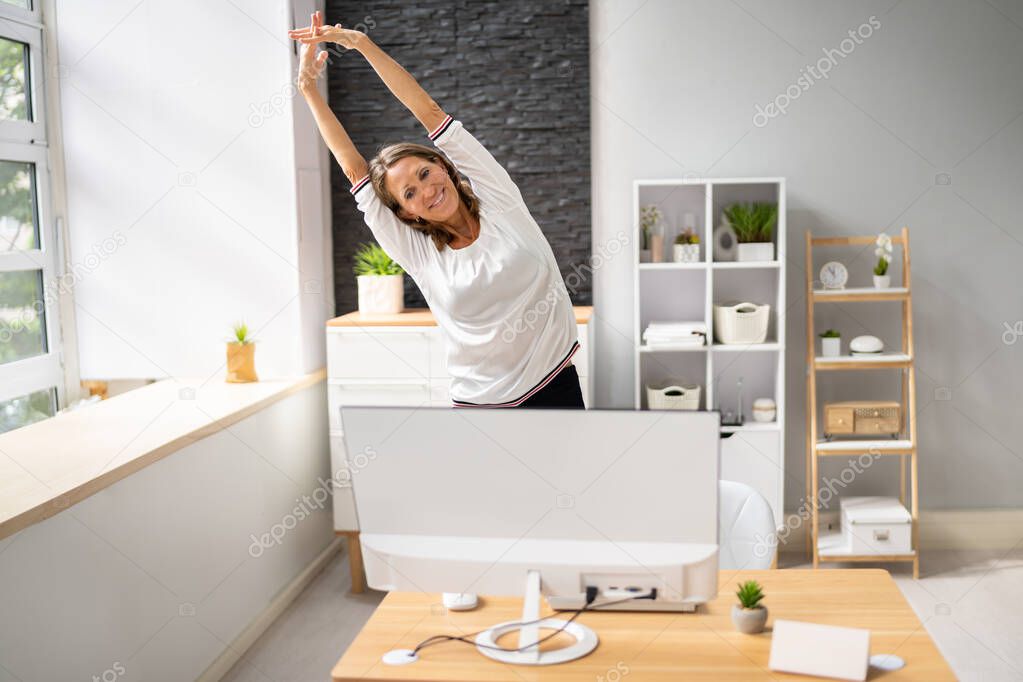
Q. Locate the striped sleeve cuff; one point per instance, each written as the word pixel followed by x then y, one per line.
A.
pixel 359 185
pixel 439 130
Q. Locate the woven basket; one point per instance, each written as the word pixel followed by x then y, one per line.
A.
pixel 672 396
pixel 741 323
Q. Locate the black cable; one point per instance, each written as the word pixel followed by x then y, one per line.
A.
pixel 589 606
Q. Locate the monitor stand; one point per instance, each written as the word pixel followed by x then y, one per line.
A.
pixel 528 652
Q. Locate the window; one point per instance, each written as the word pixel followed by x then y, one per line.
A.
pixel 31 372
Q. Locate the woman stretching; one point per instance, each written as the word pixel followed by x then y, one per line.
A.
pixel 481 261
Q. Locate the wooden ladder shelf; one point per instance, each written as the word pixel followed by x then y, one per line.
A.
pixel 906 446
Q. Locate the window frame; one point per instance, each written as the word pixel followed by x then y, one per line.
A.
pixel 27 141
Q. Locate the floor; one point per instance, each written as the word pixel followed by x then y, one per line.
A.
pixel 969 601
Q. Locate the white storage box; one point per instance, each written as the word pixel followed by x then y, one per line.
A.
pixel 876 525
pixel 741 323
pixel 672 395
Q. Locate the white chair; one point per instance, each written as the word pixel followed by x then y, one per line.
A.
pixel 747 537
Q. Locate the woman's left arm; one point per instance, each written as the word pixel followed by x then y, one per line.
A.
pixel 399 81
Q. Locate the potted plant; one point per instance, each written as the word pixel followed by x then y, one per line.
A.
pixel 241 356
pixel 649 219
pixel 381 281
pixel 831 343
pixel 686 248
pixel 753 225
pixel 749 616
pixel 882 280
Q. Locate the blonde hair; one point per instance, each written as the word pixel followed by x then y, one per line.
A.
pixel 390 155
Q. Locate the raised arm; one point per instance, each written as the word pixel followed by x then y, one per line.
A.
pixel 310 66
pixel 399 81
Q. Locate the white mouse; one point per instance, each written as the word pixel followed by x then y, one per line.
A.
pixel 460 601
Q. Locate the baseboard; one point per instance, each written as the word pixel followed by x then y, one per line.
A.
pixel 233 653
pixel 960 529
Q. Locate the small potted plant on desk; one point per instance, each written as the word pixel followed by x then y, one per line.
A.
pixel 241 356
pixel 687 247
pixel 831 343
pixel 753 225
pixel 749 616
pixel 381 281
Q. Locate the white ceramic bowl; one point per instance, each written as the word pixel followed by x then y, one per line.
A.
pixel 866 344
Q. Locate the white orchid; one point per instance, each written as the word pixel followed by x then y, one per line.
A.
pixel 884 246
pixel 883 253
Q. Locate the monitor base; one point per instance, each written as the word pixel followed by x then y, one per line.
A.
pixel 528 652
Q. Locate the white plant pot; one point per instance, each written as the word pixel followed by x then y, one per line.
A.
pixel 882 281
pixel 381 294
pixel 756 251
pixel 685 253
pixel 831 347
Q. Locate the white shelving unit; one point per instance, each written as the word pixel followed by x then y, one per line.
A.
pixel 752 453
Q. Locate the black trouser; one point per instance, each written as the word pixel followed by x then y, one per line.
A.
pixel 563 391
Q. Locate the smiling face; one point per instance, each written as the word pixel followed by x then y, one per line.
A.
pixel 423 189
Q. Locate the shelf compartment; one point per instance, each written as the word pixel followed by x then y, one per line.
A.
pixel 859 447
pixel 674 201
pixel 688 368
pixel 855 362
pixel 860 294
pixel 831 546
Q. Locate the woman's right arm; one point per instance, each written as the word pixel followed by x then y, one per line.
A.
pixel 310 67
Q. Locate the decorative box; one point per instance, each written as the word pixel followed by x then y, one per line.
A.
pixel 876 525
pixel 863 418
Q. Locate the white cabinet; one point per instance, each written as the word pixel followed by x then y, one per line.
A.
pixel 397 364
pixel 731 376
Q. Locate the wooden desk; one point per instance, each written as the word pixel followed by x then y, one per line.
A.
pixel 655 646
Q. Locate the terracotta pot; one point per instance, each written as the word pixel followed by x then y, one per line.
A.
pixel 241 363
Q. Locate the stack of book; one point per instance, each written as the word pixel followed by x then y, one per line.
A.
pixel 675 334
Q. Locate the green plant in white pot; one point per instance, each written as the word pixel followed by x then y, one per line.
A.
pixel 831 343
pixel 754 226
pixel 381 281
pixel 749 616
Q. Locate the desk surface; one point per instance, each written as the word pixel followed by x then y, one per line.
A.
pixel 655 646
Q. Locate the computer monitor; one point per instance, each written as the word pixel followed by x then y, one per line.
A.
pixel 474 500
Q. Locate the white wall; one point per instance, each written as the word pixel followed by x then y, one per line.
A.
pixel 155 573
pixel 184 152
pixel 936 89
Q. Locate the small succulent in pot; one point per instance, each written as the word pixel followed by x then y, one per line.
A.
pixel 749 616
pixel 241 356
pixel 831 343
pixel 686 248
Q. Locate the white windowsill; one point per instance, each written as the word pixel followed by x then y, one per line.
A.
pixel 48 466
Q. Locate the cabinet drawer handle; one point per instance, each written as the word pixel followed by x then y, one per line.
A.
pixel 881 535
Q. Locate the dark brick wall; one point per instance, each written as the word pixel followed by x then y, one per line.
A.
pixel 517 75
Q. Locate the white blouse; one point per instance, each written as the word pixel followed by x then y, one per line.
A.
pixel 500 302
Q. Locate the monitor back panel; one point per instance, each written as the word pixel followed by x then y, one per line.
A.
pixel 618 475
